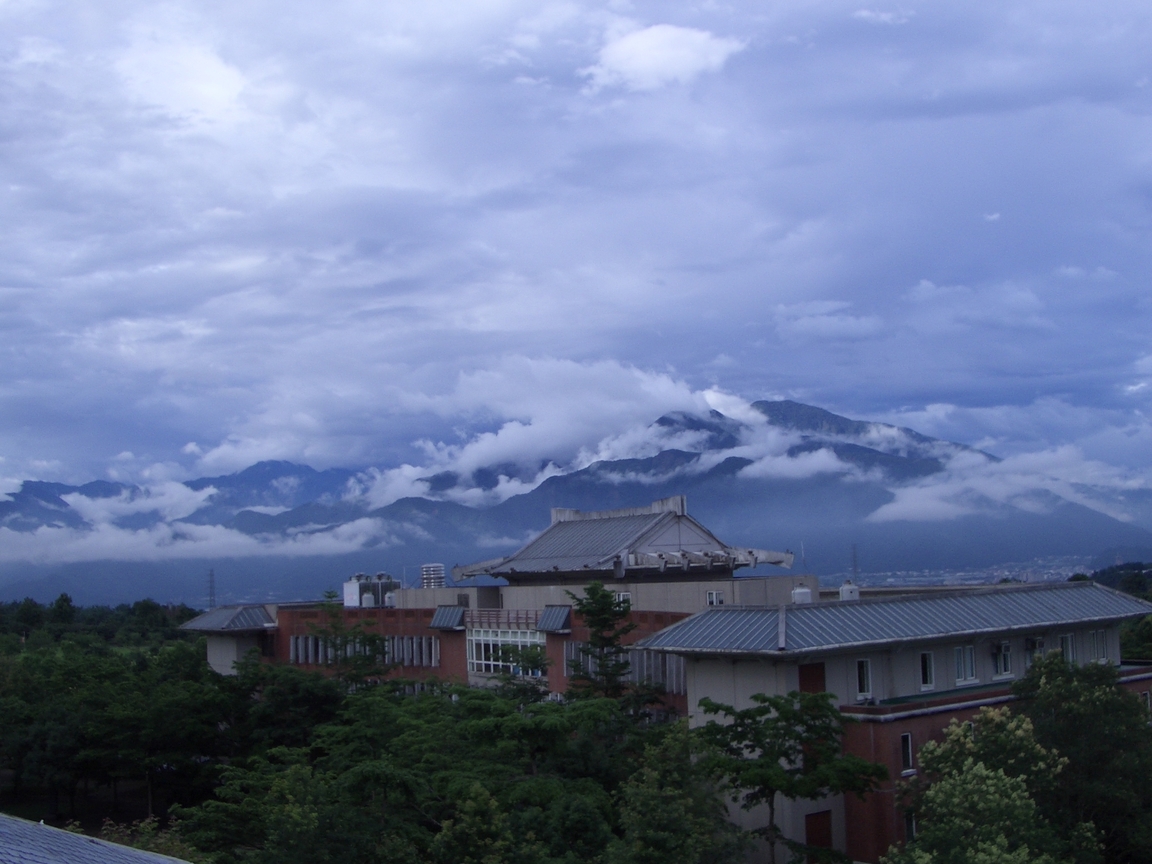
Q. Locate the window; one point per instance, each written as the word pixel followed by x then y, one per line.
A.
pixel 1033 650
pixel 715 598
pixel 909 826
pixel 965 664
pixel 486 649
pixel 927 670
pixel 863 679
pixel 906 764
pixel 624 597
pixel 1068 647
pixel 1002 659
pixel 1098 641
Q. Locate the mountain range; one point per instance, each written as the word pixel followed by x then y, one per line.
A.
pixel 785 476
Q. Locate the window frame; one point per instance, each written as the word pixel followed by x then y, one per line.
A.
pixel 930 668
pixel 1098 645
pixel 907 755
pixel 715 598
pixel 1002 660
pixel 864 666
pixel 965 661
pixel 1068 639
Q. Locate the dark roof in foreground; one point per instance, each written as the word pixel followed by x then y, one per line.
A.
pixel 817 627
pixel 231 619
pixel 24 842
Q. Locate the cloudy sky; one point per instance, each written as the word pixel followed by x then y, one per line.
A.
pixel 378 233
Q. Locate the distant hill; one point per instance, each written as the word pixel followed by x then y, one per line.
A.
pixel 804 478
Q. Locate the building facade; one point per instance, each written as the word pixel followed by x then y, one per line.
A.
pixel 658 558
pixel 901 667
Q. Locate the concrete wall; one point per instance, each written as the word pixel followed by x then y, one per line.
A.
pixel 687 596
pixel 224 651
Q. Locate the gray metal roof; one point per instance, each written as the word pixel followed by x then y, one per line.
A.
pixel 448 618
pixel 576 545
pixel 554 619
pixel 231 619
pixel 818 627
pixel 24 842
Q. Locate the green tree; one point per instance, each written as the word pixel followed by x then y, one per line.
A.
pixel 672 810
pixel 603 667
pixel 997 758
pixel 789 746
pixel 979 815
pixel 1082 713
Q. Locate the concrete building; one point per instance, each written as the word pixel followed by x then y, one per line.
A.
pixel 902 666
pixel 664 562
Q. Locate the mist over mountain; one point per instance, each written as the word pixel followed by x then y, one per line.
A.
pixel 776 474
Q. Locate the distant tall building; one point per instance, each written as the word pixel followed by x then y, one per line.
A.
pixel 432 576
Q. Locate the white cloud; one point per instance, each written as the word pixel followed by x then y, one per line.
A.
pixel 659 55
pixel 169 500
pixel 872 16
pixel 180 540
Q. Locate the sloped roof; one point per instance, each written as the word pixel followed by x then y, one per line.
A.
pixel 817 627
pixel 555 619
pixel 634 539
pixel 231 619
pixel 24 842
pixel 588 543
pixel 448 618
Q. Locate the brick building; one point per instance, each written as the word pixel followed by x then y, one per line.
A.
pixel 902 667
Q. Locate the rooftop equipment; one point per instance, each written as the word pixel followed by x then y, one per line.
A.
pixel 800 594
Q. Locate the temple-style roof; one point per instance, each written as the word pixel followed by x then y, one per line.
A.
pixel 807 628
pixel 660 540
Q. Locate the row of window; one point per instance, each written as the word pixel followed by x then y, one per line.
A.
pixel 487 650
pixel 402 650
pixel 652 667
pixel 964 661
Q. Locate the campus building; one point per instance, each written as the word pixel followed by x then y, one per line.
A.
pixel 902 667
pixel 902 662
pixel 659 558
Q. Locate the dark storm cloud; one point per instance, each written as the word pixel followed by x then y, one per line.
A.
pixel 413 235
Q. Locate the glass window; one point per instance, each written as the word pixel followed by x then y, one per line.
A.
pixel 1068 647
pixel 715 598
pixel 906 752
pixel 625 597
pixel 965 664
pixel 1002 658
pixel 486 649
pixel 1099 644
pixel 927 670
pixel 1033 650
pixel 863 678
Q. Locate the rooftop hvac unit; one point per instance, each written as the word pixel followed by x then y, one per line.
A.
pixel 849 591
pixel 800 594
pixel 368 591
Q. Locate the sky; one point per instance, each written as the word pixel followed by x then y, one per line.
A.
pixel 400 235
